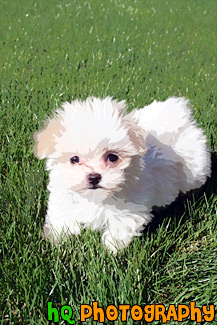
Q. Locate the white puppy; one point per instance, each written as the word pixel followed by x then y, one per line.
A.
pixel 108 168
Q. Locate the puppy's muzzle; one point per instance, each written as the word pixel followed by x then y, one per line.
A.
pixel 94 180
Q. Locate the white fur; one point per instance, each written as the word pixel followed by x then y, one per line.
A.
pixel 162 152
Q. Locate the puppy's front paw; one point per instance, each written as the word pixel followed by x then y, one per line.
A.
pixel 58 236
pixel 47 233
pixel 111 243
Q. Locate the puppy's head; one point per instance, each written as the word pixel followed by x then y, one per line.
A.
pixel 89 145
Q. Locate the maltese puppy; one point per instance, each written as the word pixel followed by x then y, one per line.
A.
pixel 107 168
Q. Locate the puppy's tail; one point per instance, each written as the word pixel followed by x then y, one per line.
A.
pixel 171 124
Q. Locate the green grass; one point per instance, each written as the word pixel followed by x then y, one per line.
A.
pixel 53 51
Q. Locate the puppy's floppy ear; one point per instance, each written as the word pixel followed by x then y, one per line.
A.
pixel 136 133
pixel 45 138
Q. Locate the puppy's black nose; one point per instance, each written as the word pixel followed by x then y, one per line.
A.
pixel 94 179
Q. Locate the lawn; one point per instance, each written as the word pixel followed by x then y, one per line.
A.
pixel 53 51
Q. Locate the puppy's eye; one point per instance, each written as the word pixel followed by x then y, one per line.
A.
pixel 112 157
pixel 74 160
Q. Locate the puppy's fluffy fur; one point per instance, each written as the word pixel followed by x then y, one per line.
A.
pixel 123 165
